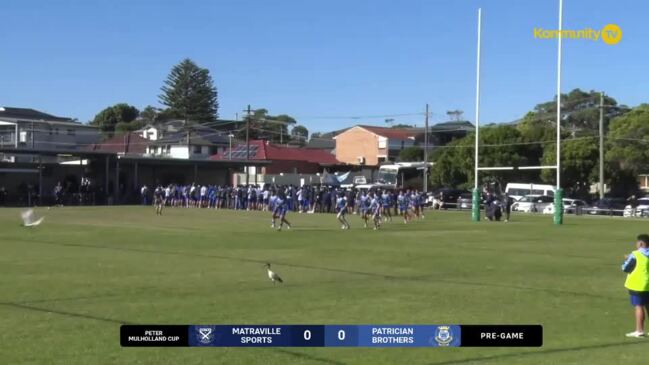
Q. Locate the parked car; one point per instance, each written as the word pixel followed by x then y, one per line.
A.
pixel 532 203
pixel 465 201
pixel 519 190
pixel 641 210
pixel 570 206
pixel 445 198
pixel 608 206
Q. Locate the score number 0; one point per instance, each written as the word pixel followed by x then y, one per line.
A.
pixel 341 335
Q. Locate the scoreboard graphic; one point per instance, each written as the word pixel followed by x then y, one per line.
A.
pixel 388 335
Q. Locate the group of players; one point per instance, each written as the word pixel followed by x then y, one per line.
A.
pixel 373 205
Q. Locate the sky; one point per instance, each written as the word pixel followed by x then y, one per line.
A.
pixel 330 64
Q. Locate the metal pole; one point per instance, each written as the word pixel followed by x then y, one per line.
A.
pixel 558 195
pixel 248 145
pixel 601 145
pixel 106 177
pixel 559 96
pixel 477 102
pixel 40 181
pixel 426 152
pixel 475 201
pixel 230 137
pixel 116 199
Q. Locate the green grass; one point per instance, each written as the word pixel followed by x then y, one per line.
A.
pixel 66 285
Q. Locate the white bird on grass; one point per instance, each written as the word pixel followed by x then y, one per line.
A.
pixel 28 218
pixel 272 275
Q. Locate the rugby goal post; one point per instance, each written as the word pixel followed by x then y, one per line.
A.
pixel 558 195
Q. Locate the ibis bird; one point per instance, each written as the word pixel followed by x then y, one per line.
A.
pixel 272 275
pixel 28 218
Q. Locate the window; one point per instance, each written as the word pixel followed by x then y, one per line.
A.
pixel 71 132
pixel 383 142
pixel 23 137
pixel 197 149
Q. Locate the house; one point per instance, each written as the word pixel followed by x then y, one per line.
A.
pixel 29 129
pixel 371 146
pixel 176 139
pixel 282 159
pixel 130 143
pixel 324 141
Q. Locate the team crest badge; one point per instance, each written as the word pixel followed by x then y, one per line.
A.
pixel 204 335
pixel 443 335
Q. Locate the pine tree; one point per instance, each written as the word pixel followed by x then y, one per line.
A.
pixel 190 94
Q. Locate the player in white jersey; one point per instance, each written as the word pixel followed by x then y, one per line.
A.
pixel 375 209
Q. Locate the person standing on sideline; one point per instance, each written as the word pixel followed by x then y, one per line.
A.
pixel 507 205
pixel 636 265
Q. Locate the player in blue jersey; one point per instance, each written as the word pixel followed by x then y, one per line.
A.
pixel 422 204
pixel 282 209
pixel 402 201
pixel 273 208
pixel 386 198
pixel 364 207
pixel 341 209
pixel 418 204
pixel 375 210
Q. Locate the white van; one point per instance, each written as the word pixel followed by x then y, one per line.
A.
pixel 519 190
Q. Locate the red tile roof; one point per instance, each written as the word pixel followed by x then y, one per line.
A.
pixel 393 133
pixel 129 143
pixel 268 151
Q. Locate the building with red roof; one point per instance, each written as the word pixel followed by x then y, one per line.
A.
pixel 282 159
pixel 371 146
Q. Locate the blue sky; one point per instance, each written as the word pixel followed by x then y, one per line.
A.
pixel 317 59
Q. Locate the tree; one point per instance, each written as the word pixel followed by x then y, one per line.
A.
pixel 153 115
pixel 268 127
pixel 579 112
pixel 453 164
pixel 300 133
pixel 628 140
pixel 190 94
pixel 579 165
pixel 500 146
pixel 110 117
pixel 402 126
pixel 413 153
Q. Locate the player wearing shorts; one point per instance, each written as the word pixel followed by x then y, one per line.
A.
pixel 281 211
pixel 364 207
pixel 273 208
pixel 341 209
pixel 375 210
pixel 402 201
pixel 158 200
pixel 386 198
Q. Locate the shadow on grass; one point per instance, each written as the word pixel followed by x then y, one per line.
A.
pixel 302 356
pixel 541 352
pixel 64 313
pixel 328 269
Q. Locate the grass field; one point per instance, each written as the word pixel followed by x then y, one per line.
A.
pixel 67 285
